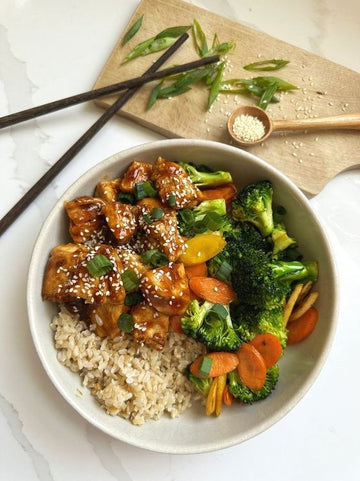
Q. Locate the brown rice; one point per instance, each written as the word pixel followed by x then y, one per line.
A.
pixel 135 382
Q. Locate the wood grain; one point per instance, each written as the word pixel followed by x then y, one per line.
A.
pixel 310 159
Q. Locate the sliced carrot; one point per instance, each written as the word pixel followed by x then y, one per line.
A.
pixel 193 296
pixel 212 290
pixel 269 347
pixel 227 396
pixel 227 192
pixel 175 324
pixel 222 363
pixel 302 327
pixel 197 270
pixel 251 367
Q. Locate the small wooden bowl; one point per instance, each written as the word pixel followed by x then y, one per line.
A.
pixel 253 111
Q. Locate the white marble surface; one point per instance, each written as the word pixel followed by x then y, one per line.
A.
pixel 51 49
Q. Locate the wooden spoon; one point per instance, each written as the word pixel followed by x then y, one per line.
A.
pixel 345 121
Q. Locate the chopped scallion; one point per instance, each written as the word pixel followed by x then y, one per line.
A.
pixel 133 298
pixel 157 213
pixel 132 30
pixel 172 200
pixel 144 189
pixel 99 266
pixel 155 258
pixel 205 366
pixel 147 219
pixel 267 65
pixel 224 271
pixel 130 280
pixel 126 322
pixel 126 198
pixel 220 311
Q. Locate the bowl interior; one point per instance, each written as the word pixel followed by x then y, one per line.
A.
pixel 193 432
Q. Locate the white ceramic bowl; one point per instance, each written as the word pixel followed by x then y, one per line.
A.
pixel 193 432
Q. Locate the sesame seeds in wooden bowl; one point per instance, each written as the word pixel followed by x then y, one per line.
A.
pixel 248 125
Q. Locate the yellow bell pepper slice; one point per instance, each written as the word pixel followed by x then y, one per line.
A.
pixel 219 393
pixel 211 398
pixel 201 248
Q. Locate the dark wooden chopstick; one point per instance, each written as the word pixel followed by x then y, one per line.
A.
pixel 40 185
pixel 47 108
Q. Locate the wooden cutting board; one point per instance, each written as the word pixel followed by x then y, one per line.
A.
pixel 325 88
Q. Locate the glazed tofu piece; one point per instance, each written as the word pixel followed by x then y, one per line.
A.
pixel 67 277
pixel 166 289
pixel 122 220
pixel 105 318
pixel 151 327
pixel 136 172
pixel 163 234
pixel 174 185
pixel 132 261
pixel 108 190
pixel 86 218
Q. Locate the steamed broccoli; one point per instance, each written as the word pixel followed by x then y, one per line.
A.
pixel 248 322
pixel 201 384
pixel 265 284
pixel 254 204
pixel 238 236
pixel 279 236
pixel 211 325
pixel 248 396
pixel 206 179
pixel 209 215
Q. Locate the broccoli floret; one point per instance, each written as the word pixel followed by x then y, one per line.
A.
pixel 206 179
pixel 253 280
pixel 254 204
pixel 209 215
pixel 194 318
pixel 201 384
pixel 279 236
pixel 248 396
pixel 211 325
pixel 249 322
pixel 265 284
pixel 239 236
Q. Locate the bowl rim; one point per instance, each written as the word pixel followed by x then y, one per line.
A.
pixel 155 445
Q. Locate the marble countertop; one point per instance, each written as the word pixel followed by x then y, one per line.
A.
pixel 50 50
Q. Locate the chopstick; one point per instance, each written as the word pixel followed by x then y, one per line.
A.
pixel 40 185
pixel 47 108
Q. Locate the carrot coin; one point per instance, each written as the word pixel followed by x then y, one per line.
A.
pixel 269 347
pixel 251 367
pixel 302 327
pixel 216 364
pixel 212 290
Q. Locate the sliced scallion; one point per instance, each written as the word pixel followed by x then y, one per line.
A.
pixel 99 266
pixel 126 198
pixel 133 298
pixel 172 200
pixel 220 311
pixel 224 271
pixel 157 213
pixel 155 258
pixel 132 30
pixel 205 366
pixel 144 189
pixel 267 65
pixel 130 280
pixel 147 219
pixel 126 322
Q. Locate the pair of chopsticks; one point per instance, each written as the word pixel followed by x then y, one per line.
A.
pixel 131 86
